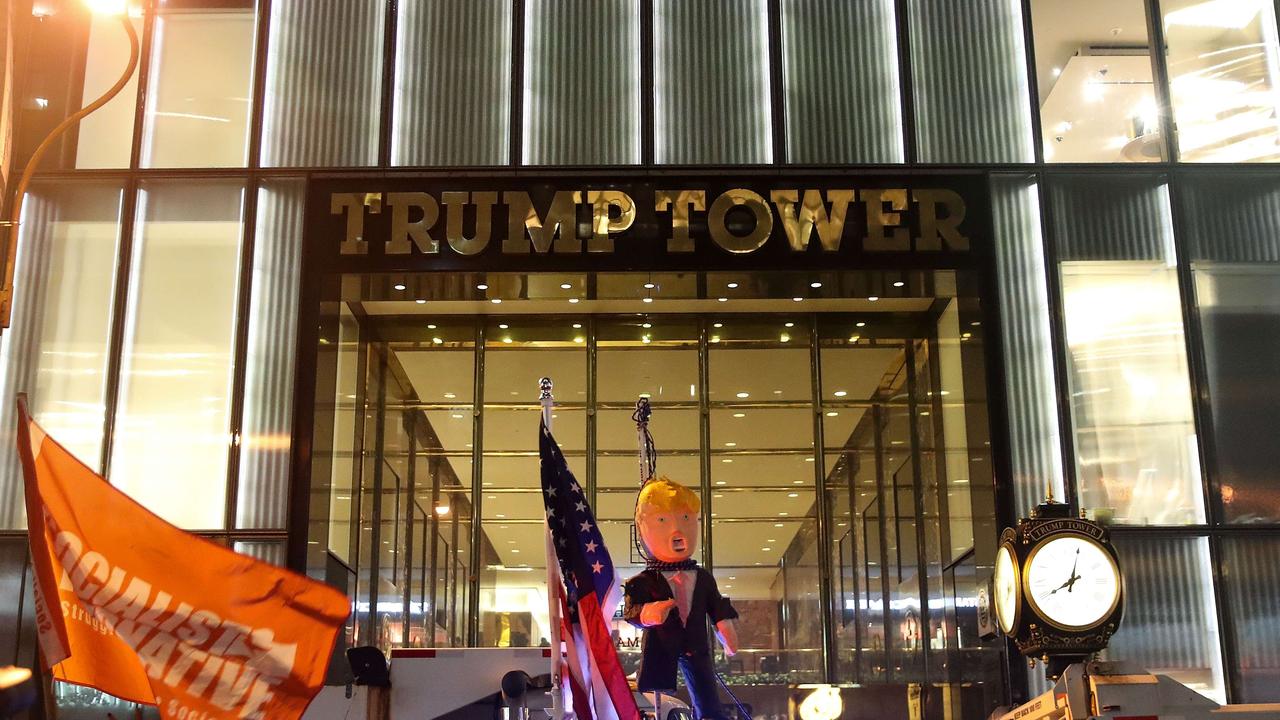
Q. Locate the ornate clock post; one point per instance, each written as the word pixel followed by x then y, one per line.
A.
pixel 1058 591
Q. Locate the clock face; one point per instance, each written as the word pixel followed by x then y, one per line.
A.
pixel 1072 582
pixel 1006 589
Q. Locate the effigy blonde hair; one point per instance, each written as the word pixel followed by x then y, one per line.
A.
pixel 665 495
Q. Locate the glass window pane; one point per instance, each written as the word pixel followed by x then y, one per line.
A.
pixel 104 139
pixel 519 351
pixel 1093 71
pixel 1223 60
pixel 1234 223
pixel 1137 460
pixel 267 427
pixel 323 113
pixel 1251 571
pixel 453 83
pixel 970 81
pixel 1170 626
pixel 172 418
pixel 582 81
pixel 1035 444
pixel 56 347
pixel 840 59
pixel 200 85
pixel 709 57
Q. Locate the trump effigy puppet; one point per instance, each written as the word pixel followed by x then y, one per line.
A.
pixel 673 599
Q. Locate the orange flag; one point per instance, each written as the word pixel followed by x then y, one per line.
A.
pixel 133 606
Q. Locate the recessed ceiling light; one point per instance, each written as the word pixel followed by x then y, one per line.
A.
pixel 860 324
pixel 793 495
pixel 1057 71
pixel 779 525
pixel 506 340
pixel 579 339
pixel 504 326
pixel 833 413
pixel 577 326
pixel 720 482
pixel 766 549
pixel 722 299
pixel 456 416
pixel 715 338
pixel 815 284
pixel 514 551
pixel 873 298
pixel 899 284
pixel 840 393
pixel 744 394
pixel 717 495
pixel 781 514
pixel 645 339
pixel 450 396
pixel 482 286
pixel 739 415
pixel 797 299
pixel 784 338
pixel 431 327
pixel 726 460
pixel 731 444
pixel 717 325
pixel 420 301
pixel 496 301
pixel 398 286
pixel 646 299
pixel 790 324
pixel 646 326
pixel 438 341
pixel 808 459
pixel 797 482
pixel 649 286
pixel 732 286
pixel 565 286
pixel 573 301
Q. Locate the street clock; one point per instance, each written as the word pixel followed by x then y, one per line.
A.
pixel 1057 589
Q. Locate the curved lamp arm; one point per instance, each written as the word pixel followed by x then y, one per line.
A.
pixel 6 290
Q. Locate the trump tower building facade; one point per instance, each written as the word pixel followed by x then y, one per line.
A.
pixel 887 270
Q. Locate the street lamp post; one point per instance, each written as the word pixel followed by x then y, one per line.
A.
pixel 106 7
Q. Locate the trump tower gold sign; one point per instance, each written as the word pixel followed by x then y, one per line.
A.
pixel 647 223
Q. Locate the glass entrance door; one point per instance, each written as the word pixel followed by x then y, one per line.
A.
pixel 833 424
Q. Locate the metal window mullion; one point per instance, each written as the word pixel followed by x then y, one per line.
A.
pixel 477 489
pixel 1058 343
pixel 877 415
pixel 647 84
pixel 592 366
pixel 375 531
pixel 1202 419
pixel 261 46
pixel 1033 83
pixel 906 86
pixel 387 91
pixel 826 621
pixel 411 494
pixel 917 481
pixel 119 319
pixel 704 442
pixel 777 83
pixel 516 130
pixel 144 81
pixel 1160 74
pixel 240 350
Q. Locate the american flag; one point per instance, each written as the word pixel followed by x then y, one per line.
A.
pixel 581 578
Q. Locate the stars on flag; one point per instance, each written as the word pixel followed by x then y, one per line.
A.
pixel 591 546
pixel 586 526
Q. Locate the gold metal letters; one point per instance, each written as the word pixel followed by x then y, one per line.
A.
pixel 869 219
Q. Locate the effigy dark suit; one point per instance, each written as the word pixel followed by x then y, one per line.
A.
pixel 674 643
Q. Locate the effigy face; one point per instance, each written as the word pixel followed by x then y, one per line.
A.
pixel 669 521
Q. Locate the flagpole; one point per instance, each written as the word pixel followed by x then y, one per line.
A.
pixel 553 604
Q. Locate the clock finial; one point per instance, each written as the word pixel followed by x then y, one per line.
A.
pixel 1048 490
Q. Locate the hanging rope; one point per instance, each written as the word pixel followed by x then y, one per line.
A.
pixel 648 452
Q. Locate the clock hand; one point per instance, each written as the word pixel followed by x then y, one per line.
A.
pixel 1074 577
